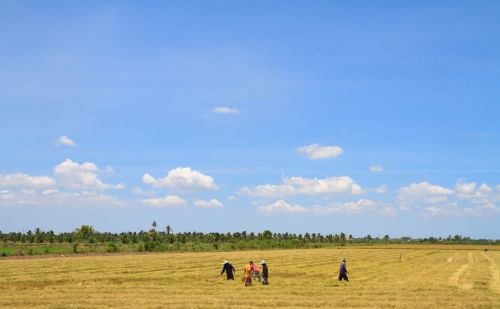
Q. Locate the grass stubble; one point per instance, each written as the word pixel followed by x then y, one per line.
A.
pixel 302 278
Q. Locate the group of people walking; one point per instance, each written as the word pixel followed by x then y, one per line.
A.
pixel 252 272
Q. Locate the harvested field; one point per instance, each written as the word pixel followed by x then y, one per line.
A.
pixel 383 278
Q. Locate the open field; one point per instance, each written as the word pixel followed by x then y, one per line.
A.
pixel 398 277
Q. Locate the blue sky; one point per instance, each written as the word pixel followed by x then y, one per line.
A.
pixel 361 117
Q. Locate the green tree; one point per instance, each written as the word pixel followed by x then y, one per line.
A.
pixel 85 232
pixel 267 234
pixel 342 237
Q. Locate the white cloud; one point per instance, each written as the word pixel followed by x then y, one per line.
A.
pixel 225 110
pixel 481 195
pixel 50 191
pixel 425 188
pixel 360 206
pixel 315 151
pixel 454 209
pixel 491 207
pixel 73 175
pixel 388 211
pixel 183 178
pixel 213 203
pixel 376 169
pixel 23 180
pixel 64 140
pixel 167 201
pixel 283 207
pixel 466 199
pixel 139 191
pixel 306 186
pixel 444 209
pixel 422 194
pixel 380 190
pixel 53 197
pixel 356 207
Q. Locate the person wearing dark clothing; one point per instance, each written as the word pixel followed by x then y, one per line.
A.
pixel 265 273
pixel 343 271
pixel 228 269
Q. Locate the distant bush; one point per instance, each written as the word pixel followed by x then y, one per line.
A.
pixel 112 247
pixel 75 247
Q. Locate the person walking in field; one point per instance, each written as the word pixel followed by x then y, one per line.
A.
pixel 343 271
pixel 228 269
pixel 247 271
pixel 265 272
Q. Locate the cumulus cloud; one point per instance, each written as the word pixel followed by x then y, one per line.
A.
pixel 388 211
pixel 213 203
pixel 50 191
pixel 167 201
pixel 183 178
pixel 73 175
pixel 139 191
pixel 64 140
pixel 54 197
pixel 380 190
pixel 306 186
pixel 421 194
pixel 23 180
pixel 445 209
pixel 465 199
pixel 479 195
pixel 355 207
pixel 225 110
pixel 315 151
pixel 376 169
pixel 282 206
pixel 426 189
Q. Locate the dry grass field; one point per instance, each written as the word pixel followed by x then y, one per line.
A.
pixel 423 278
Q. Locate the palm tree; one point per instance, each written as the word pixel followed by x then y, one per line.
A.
pixel 85 231
pixel 169 229
pixel 342 237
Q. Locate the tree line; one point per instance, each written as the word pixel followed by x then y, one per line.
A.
pixel 155 236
